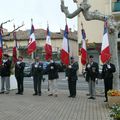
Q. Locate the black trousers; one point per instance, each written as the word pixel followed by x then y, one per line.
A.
pixel 37 84
pixel 20 84
pixel 108 84
pixel 72 87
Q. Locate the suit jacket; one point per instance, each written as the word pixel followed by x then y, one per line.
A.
pixel 107 73
pixel 37 69
pixel 52 70
pixel 19 69
pixel 6 68
pixel 92 71
pixel 71 73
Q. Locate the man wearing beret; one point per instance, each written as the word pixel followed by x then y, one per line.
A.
pixel 71 76
pixel 5 74
pixel 19 74
pixel 92 71
pixel 37 73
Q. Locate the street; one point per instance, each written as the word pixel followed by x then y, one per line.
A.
pixel 62 83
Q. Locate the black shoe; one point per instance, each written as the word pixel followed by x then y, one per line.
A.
pixel 1 92
pixel 17 93
pixel 73 96
pixel 93 98
pixel 39 94
pixel 21 93
pixel 106 101
pixel 34 94
pixel 90 98
pixel 69 96
pixel 50 95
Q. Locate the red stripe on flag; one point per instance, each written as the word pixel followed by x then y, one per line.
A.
pixel 48 50
pixel 14 54
pixel 83 56
pixel 105 55
pixel 64 57
pixel 31 47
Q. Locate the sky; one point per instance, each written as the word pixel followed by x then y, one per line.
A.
pixel 40 11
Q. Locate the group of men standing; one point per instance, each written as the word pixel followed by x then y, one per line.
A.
pixel 92 72
pixel 37 75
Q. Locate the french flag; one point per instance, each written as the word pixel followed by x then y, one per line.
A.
pixel 83 49
pixel 105 49
pixel 32 42
pixel 15 48
pixel 1 45
pixel 65 48
pixel 48 46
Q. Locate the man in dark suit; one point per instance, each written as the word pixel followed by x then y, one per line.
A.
pixel 71 76
pixel 19 74
pixel 92 71
pixel 107 74
pixel 37 73
pixel 5 74
pixel 52 70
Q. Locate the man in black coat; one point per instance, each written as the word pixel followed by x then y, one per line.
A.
pixel 5 74
pixel 71 76
pixel 107 74
pixel 37 73
pixel 19 74
pixel 92 71
pixel 52 70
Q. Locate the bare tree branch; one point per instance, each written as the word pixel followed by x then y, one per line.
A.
pixel 84 8
pixel 13 30
pixel 65 10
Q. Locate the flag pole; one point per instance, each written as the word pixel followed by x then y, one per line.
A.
pixel 68 41
pixel 33 54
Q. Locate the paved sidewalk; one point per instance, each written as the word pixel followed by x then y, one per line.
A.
pixel 29 107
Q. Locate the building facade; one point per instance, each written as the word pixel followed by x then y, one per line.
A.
pixel 40 34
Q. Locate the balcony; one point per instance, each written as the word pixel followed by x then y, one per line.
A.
pixel 116 6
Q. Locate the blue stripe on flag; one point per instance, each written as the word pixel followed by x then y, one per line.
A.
pixel 83 34
pixel 66 32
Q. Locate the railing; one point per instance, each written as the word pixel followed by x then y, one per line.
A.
pixel 116 7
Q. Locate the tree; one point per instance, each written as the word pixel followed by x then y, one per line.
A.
pixel 113 27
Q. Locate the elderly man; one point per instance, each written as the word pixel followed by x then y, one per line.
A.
pixel 5 74
pixel 92 71
pixel 71 76
pixel 19 74
pixel 37 73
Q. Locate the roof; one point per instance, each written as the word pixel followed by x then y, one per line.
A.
pixel 40 34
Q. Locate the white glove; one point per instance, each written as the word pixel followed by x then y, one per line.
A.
pixel 88 66
pixel 51 67
pixel 108 66
pixel 69 66
pixel 31 77
pixel 66 78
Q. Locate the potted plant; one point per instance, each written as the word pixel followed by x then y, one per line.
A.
pixel 113 97
pixel 115 112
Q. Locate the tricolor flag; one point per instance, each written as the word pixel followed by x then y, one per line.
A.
pixel 83 49
pixel 48 46
pixel 1 45
pixel 15 48
pixel 105 50
pixel 32 42
pixel 65 48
